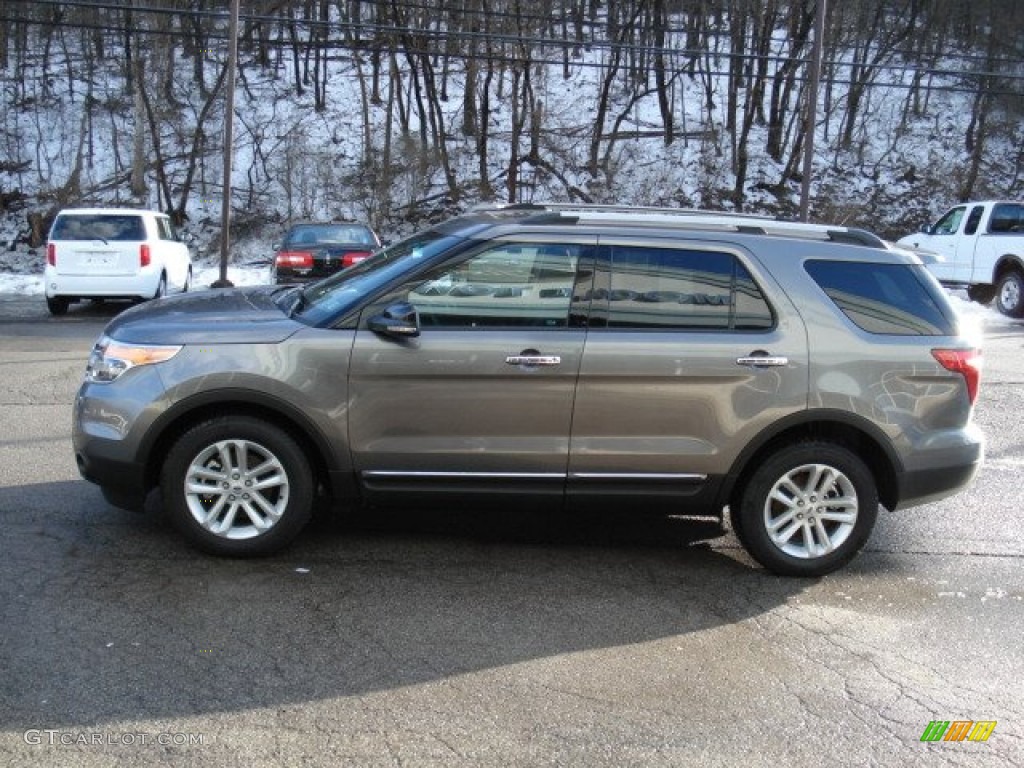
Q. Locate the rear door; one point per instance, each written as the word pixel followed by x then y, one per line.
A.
pixel 685 362
pixel 482 399
pixel 98 244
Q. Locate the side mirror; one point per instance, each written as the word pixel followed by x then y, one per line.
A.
pixel 398 320
pixel 926 229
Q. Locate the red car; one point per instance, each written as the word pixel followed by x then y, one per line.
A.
pixel 313 251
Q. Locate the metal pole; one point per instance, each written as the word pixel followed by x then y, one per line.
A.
pixel 811 116
pixel 229 124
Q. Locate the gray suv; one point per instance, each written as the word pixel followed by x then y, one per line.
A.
pixel 798 376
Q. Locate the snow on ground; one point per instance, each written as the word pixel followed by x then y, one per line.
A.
pixel 32 285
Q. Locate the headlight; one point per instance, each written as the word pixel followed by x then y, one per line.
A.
pixel 109 359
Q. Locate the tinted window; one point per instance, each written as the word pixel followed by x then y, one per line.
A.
pixel 682 289
pixel 109 227
pixel 506 285
pixel 974 219
pixel 1007 217
pixel 891 299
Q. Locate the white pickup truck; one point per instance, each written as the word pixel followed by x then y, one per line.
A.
pixel 981 246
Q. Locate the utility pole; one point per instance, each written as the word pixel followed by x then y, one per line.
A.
pixel 229 125
pixel 811 116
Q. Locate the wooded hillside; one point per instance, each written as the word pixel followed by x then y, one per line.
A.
pixel 396 112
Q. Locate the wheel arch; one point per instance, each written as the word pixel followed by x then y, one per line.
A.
pixel 858 435
pixel 1008 262
pixel 186 413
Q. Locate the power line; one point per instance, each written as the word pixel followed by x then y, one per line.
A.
pixel 446 34
pixel 389 31
pixel 715 73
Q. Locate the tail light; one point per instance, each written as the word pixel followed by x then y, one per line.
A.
pixel 296 259
pixel 145 259
pixel 51 254
pixel 966 362
pixel 354 257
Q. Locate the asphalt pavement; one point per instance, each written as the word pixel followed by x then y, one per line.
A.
pixel 463 638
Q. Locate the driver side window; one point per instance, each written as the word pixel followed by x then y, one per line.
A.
pixel 507 285
pixel 950 223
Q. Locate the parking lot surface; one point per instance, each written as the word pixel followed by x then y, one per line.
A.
pixel 457 637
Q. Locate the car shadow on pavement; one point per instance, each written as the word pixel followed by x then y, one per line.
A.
pixel 108 616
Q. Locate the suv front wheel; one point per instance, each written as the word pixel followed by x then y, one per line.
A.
pixel 237 486
pixel 807 510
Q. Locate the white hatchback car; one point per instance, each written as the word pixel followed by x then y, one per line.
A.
pixel 113 253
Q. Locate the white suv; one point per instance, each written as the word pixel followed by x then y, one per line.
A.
pixel 113 253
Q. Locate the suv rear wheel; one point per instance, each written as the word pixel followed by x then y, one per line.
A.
pixel 238 486
pixel 807 510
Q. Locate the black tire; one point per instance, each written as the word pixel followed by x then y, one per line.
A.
pixel 280 496
pixel 982 293
pixel 188 282
pixel 161 287
pixel 1010 294
pixel 58 305
pixel 810 474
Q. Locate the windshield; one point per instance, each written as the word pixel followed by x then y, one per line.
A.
pixel 333 297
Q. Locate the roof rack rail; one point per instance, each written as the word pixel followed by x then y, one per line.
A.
pixel 683 218
pixel 613 208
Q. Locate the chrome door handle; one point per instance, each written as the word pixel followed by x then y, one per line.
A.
pixel 531 360
pixel 763 361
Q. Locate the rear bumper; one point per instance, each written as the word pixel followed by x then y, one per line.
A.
pixel 288 276
pixel 942 478
pixel 141 285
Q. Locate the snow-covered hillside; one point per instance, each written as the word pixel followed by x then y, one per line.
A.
pixel 354 144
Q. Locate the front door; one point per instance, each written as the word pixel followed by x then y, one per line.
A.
pixel 481 399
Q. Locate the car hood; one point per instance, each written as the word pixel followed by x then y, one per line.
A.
pixel 223 316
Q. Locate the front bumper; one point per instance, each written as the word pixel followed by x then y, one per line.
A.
pixel 108 422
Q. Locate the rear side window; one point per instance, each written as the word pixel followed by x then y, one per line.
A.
pixel 108 227
pixel 680 289
pixel 888 299
pixel 1007 218
pixel 165 229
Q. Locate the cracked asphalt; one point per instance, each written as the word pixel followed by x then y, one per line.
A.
pixel 460 638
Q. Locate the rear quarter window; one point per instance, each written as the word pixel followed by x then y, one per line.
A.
pixel 887 299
